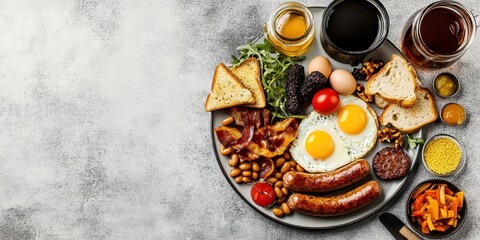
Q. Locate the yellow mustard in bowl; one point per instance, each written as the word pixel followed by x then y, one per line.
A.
pixel 442 155
pixel 446 85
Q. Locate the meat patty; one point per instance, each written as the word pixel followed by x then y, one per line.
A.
pixel 391 163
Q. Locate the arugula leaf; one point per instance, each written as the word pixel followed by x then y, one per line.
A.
pixel 412 142
pixel 235 60
pixel 273 67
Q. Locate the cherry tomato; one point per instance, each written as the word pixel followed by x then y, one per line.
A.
pixel 326 101
pixel 263 194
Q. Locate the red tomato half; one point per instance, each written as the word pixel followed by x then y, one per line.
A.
pixel 326 101
pixel 263 194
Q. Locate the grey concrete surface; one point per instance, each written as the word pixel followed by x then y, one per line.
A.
pixel 103 133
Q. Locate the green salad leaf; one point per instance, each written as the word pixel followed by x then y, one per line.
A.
pixel 412 141
pixel 273 67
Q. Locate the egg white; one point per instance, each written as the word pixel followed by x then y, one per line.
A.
pixel 348 147
pixel 298 151
pixel 360 144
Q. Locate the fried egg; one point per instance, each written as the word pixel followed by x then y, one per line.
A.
pixel 327 142
pixel 357 126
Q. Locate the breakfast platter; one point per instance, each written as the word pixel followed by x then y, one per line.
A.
pixel 390 188
pixel 316 136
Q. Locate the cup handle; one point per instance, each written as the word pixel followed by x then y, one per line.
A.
pixel 476 15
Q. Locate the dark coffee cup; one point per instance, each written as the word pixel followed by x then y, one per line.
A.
pixel 351 29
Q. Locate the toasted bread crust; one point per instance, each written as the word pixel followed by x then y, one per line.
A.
pixel 384 121
pixel 257 88
pixel 380 102
pixel 404 102
pixel 212 104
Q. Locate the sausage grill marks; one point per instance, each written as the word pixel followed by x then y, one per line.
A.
pixel 336 205
pixel 324 182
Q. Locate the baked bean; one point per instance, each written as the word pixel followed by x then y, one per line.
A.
pixel 284 191
pixel 227 121
pixel 247 173
pixel 272 180
pixel 287 155
pixel 233 160
pixel 285 168
pixel 285 209
pixel 292 163
pixel 246 179
pixel 277 212
pixel 278 192
pixel 256 167
pixel 242 161
pixel 225 151
pixel 299 168
pixel 235 172
pixel 282 200
pixel 255 175
pixel 279 161
pixel 278 175
pixel 279 184
pixel 245 166
pixel 239 179
pixel 292 169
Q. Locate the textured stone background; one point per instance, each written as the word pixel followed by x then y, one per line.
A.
pixel 103 133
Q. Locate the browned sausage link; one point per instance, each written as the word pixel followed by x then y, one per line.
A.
pixel 324 182
pixel 337 205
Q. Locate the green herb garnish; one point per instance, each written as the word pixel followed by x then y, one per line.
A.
pixel 412 141
pixel 273 67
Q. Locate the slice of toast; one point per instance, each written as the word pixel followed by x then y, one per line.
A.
pixel 227 91
pixel 409 120
pixel 396 82
pixel 249 75
pixel 381 103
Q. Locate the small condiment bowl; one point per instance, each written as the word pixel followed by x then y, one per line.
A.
pixel 455 80
pixel 460 165
pixel 443 120
pixel 435 234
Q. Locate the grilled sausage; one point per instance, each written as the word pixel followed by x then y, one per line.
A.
pixel 336 205
pixel 324 182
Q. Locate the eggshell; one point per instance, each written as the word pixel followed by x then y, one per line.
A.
pixel 320 64
pixel 343 82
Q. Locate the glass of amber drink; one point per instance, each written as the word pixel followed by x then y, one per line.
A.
pixel 439 34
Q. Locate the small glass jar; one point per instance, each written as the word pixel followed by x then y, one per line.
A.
pixel 295 44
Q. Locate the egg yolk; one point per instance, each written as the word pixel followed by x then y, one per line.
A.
pixel 319 145
pixel 352 119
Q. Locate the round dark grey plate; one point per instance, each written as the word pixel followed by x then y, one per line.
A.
pixel 389 188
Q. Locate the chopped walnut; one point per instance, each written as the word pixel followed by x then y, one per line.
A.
pixel 391 135
pixel 360 91
pixel 398 142
pixel 369 68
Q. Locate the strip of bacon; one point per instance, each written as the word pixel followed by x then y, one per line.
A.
pixel 248 131
pixel 267 141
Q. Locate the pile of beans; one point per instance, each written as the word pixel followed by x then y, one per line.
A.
pixel 244 171
pixel 283 164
